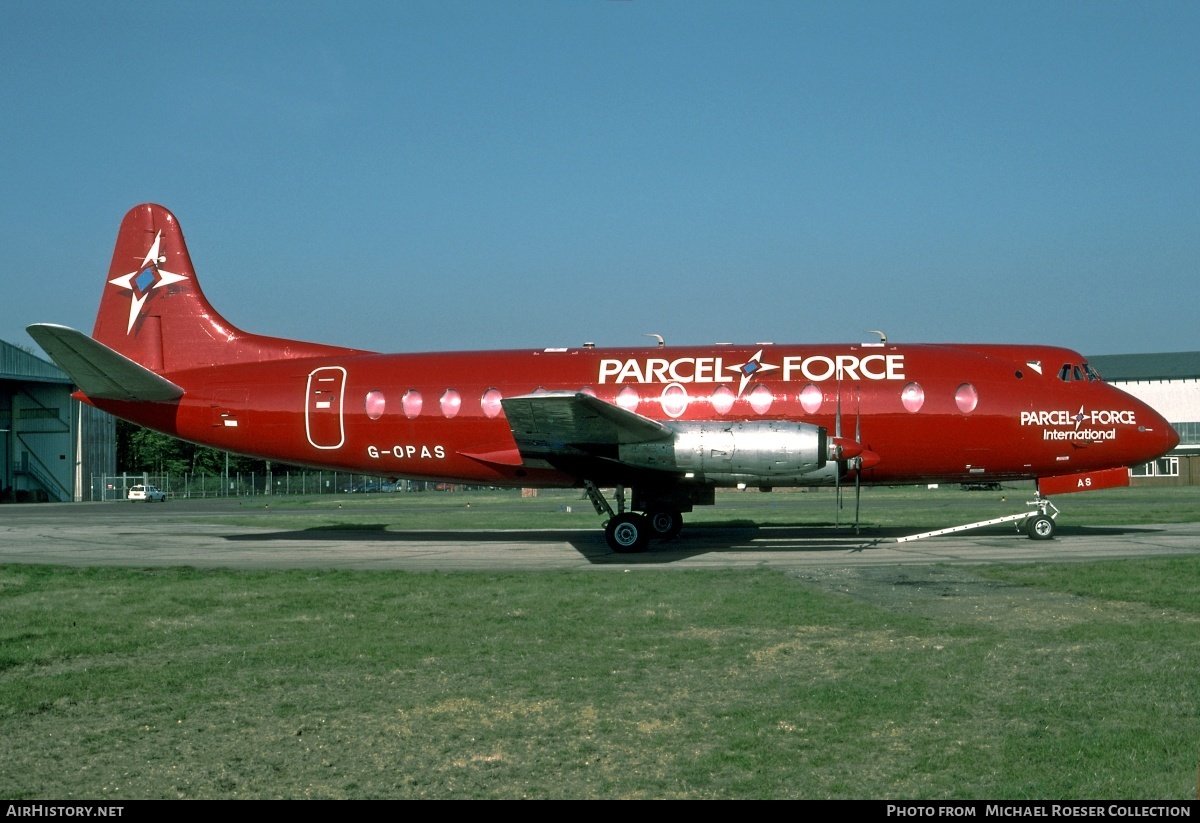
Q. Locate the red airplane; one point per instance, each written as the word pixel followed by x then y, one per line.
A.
pixel 669 424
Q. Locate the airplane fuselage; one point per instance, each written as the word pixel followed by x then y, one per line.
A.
pixel 930 412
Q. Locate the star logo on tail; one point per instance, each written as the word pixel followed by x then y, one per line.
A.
pixel 145 279
pixel 749 369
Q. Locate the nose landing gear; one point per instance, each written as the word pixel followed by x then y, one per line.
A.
pixel 1040 526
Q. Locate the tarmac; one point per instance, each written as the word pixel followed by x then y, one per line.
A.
pixel 154 535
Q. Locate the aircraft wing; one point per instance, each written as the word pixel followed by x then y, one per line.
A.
pixel 563 423
pixel 99 371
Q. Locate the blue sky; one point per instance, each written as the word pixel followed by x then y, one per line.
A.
pixel 422 176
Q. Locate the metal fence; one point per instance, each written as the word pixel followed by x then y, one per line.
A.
pixel 239 484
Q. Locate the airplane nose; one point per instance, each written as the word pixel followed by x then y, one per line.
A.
pixel 1158 436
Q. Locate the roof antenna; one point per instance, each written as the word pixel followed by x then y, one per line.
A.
pixel 657 337
pixel 882 336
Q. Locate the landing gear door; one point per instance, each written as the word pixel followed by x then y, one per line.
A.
pixel 323 407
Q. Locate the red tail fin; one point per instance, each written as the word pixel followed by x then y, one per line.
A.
pixel 153 311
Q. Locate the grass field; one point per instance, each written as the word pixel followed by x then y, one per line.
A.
pixel 1018 681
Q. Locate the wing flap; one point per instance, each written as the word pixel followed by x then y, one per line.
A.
pixel 98 371
pixel 556 423
pixel 499 456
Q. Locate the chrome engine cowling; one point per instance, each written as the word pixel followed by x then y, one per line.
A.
pixel 771 452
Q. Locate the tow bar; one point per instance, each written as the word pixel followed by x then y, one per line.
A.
pixel 1039 525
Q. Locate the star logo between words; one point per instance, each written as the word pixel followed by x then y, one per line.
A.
pixel 749 369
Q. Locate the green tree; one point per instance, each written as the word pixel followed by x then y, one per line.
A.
pixel 144 450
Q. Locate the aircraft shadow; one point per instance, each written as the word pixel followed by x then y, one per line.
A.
pixel 779 540
pixel 695 540
pixel 380 533
pixel 590 543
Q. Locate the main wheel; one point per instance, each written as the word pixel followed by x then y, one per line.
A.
pixel 627 533
pixel 1040 527
pixel 665 525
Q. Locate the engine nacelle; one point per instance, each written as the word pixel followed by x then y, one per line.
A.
pixel 770 450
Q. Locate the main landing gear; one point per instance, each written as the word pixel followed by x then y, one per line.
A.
pixel 665 524
pixel 629 532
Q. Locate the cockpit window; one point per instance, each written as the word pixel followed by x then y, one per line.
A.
pixel 1078 372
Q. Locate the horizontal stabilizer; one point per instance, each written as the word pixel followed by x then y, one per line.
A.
pixel 551 421
pixel 98 371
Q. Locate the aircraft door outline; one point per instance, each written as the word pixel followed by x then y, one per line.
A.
pixel 324 408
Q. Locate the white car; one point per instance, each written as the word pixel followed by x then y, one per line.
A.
pixel 147 493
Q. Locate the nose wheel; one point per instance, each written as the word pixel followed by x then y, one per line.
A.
pixel 1040 527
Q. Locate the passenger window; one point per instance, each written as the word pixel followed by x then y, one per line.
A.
pixel 411 403
pixel 912 396
pixel 375 403
pixel 722 399
pixel 491 402
pixel 628 398
pixel 451 402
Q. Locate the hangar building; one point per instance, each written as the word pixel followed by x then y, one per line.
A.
pixel 50 443
pixel 1170 382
